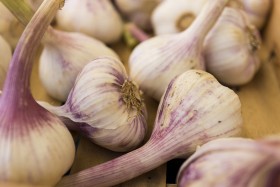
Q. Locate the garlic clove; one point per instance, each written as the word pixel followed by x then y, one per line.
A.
pixel 139 12
pixel 63 57
pixel 179 19
pixel 106 106
pixel 161 58
pixel 96 18
pixel 231 48
pixel 5 57
pixel 254 164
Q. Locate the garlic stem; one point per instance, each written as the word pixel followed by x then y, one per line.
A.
pixel 161 58
pixel 122 168
pixel 22 11
pixel 17 85
pixel 35 146
pixel 205 20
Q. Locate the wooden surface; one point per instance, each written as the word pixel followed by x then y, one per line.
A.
pixel 260 107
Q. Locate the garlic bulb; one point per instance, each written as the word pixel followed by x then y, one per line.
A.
pixel 64 56
pixel 138 11
pixel 96 18
pixel 256 10
pixel 161 58
pixel 10 28
pixel 5 57
pixel 106 106
pixel 195 109
pixel 231 48
pixel 232 162
pixel 35 146
pixel 175 16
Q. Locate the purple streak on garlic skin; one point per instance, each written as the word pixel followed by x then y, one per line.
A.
pixel 64 56
pixel 234 162
pixel 213 112
pixel 161 58
pixel 105 106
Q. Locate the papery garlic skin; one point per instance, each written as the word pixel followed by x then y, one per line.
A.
pixel 231 49
pixel 10 28
pixel 257 11
pixel 195 109
pixel 175 16
pixel 158 60
pixel 235 162
pixel 96 18
pixel 138 11
pixel 36 153
pixel 195 98
pixel 102 108
pixel 5 57
pixel 161 58
pixel 63 57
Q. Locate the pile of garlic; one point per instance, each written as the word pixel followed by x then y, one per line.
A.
pixel 213 45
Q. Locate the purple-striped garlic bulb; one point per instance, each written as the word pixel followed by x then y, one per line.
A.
pixel 105 106
pixel 64 53
pixel 195 109
pixel 138 12
pixel 96 18
pixel 5 57
pixel 231 48
pixel 35 146
pixel 233 162
pixel 175 16
pixel 156 61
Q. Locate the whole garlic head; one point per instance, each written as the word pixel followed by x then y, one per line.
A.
pixel 96 18
pixel 231 48
pixel 175 16
pixel 5 57
pixel 105 106
pixel 235 162
pixel 64 56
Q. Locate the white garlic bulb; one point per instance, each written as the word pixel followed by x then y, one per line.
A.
pixel 63 57
pixel 235 162
pixel 156 61
pixel 10 28
pixel 138 11
pixel 231 48
pixel 256 10
pixel 106 106
pixel 175 16
pixel 96 18
pixel 5 57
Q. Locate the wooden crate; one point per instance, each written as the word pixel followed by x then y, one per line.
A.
pixel 260 106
